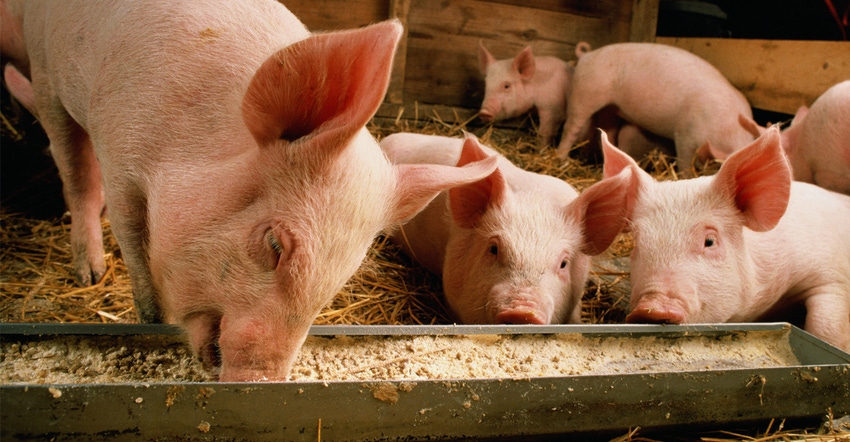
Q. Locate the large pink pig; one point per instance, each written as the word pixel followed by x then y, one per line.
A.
pixel 512 248
pixel 242 186
pixel 517 86
pixel 662 89
pixel 746 244
pixel 818 141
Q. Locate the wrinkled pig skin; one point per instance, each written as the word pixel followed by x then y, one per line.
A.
pixel 242 186
pixel 818 141
pixel 664 90
pixel 746 244
pixel 514 247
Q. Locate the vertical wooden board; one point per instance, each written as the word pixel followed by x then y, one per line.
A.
pixel 775 75
pixel 399 9
pixel 333 15
pixel 644 20
pixel 442 63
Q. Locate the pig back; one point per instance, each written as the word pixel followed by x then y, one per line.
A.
pixel 131 72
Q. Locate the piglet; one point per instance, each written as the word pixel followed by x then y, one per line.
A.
pixel 242 186
pixel 511 248
pixel 746 244
pixel 662 89
pixel 818 141
pixel 517 86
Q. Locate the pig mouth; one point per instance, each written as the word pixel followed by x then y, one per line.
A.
pixel 486 116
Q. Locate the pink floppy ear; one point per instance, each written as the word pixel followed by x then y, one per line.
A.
pixel 469 202
pixel 485 58
pixel 325 87
pixel 524 64
pixel 758 179
pixel 603 210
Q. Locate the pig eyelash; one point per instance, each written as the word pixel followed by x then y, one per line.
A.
pixel 274 243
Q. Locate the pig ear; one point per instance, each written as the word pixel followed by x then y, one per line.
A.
pixel 615 159
pixel 750 125
pixel 524 64
pixel 485 58
pixel 758 179
pixel 603 210
pixel 418 184
pixel 800 115
pixel 327 85
pixel 468 202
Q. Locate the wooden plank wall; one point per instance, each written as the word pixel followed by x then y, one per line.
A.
pixel 436 66
pixel 437 60
pixel 775 75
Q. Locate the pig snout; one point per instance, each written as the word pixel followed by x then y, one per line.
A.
pixel 520 315
pixel 490 111
pixel 656 315
pixel 521 308
pixel 486 116
pixel 656 309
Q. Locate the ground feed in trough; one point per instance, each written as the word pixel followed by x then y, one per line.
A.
pixel 73 359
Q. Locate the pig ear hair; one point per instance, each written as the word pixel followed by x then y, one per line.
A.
pixel 485 58
pixel 524 63
pixel 469 202
pixel 603 210
pixel 758 179
pixel 327 85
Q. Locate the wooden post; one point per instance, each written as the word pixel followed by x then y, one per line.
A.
pixel 644 20
pixel 395 93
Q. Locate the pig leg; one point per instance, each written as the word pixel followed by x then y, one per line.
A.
pixel 828 316
pixel 580 112
pixel 74 155
pixel 549 124
pixel 128 218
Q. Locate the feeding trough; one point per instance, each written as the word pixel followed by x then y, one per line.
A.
pixel 417 382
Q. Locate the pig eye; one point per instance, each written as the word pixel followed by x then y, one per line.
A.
pixel 493 250
pixel 564 264
pixel 710 241
pixel 506 86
